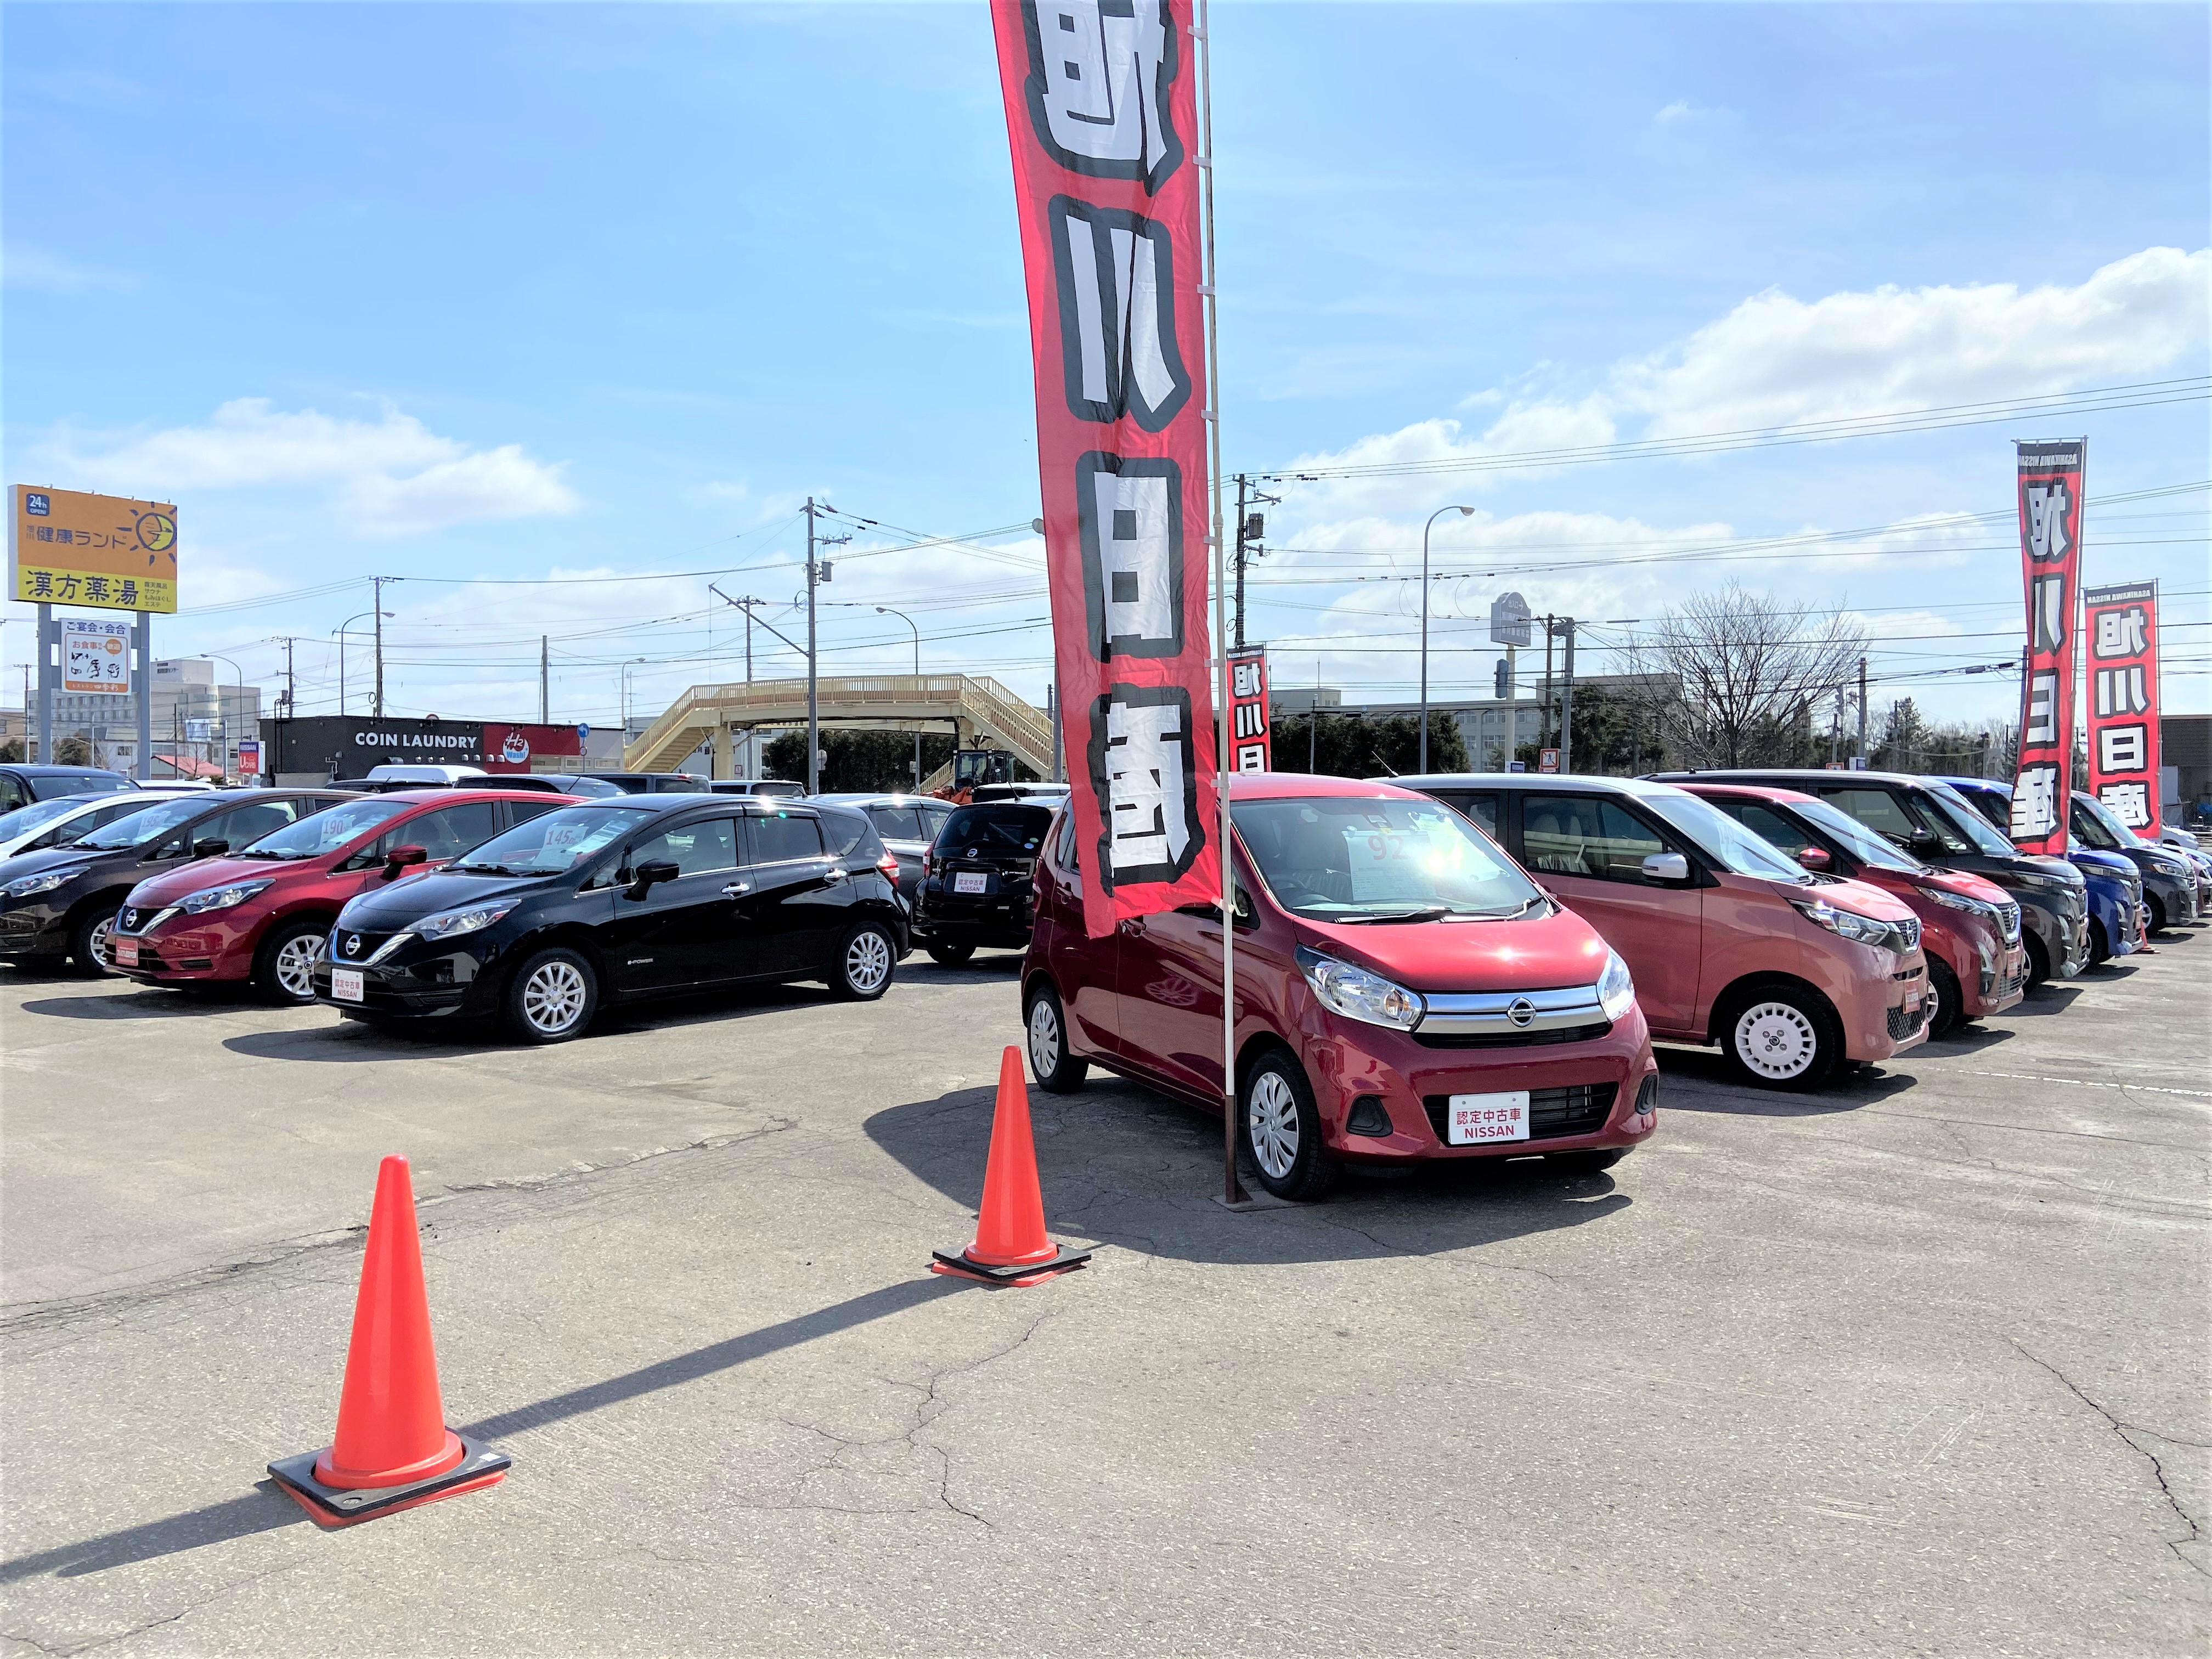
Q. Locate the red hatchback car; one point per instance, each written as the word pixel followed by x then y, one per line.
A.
pixel 261 913
pixel 1969 927
pixel 1404 993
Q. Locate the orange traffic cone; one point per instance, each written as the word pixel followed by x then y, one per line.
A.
pixel 393 1450
pixel 1010 1247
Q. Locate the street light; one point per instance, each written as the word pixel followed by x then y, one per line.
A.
pixel 626 668
pixel 229 742
pixel 1464 512
pixel 886 610
pixel 340 631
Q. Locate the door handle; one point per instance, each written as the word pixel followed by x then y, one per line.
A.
pixel 833 873
pixel 737 889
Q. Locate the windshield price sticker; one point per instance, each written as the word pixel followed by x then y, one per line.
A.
pixel 1474 1119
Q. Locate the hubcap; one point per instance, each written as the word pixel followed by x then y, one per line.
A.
pixel 103 942
pixel 1273 1117
pixel 1931 1002
pixel 867 962
pixel 1776 1040
pixel 553 997
pixel 1045 1038
pixel 295 966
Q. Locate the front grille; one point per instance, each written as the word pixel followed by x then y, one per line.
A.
pixel 1511 1039
pixel 2009 921
pixel 1904 1023
pixel 1579 1108
pixel 129 919
pixel 1910 929
pixel 334 947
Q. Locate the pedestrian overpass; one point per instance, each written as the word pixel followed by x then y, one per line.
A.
pixel 971 707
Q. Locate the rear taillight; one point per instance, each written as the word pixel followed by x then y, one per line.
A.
pixel 889 864
pixel 925 861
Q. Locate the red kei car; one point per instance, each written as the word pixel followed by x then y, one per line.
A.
pixel 1404 993
pixel 261 913
pixel 1969 927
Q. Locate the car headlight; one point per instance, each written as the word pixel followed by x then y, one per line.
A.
pixel 1864 930
pixel 1359 994
pixel 44 882
pixel 2038 882
pixel 220 898
pixel 1616 992
pixel 2172 867
pixel 451 924
pixel 1973 907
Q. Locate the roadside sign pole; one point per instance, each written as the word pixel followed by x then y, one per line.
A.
pixel 144 689
pixel 46 637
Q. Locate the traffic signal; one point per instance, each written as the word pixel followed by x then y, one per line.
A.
pixel 1504 682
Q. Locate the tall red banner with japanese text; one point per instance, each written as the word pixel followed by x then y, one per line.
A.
pixel 2121 624
pixel 2050 556
pixel 1101 112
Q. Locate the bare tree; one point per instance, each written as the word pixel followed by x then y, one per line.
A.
pixel 1748 676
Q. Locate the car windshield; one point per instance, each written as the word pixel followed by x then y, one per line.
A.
pixel 135 828
pixel 24 819
pixel 1954 806
pixel 2090 813
pixel 1861 842
pixel 1336 858
pixel 1724 841
pixel 311 837
pixel 555 842
pixel 1001 830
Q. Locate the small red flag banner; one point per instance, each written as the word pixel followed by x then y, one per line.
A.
pixel 1252 744
pixel 2121 626
pixel 1101 114
pixel 2049 557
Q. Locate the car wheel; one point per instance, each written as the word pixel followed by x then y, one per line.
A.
pixel 1783 1038
pixel 551 997
pixel 1588 1162
pixel 950 956
pixel 865 963
pixel 1056 1070
pixel 92 944
pixel 1282 1131
pixel 2100 946
pixel 2039 962
pixel 284 971
pixel 1947 1011
pixel 2157 922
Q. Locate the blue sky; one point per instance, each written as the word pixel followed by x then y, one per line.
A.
pixel 522 292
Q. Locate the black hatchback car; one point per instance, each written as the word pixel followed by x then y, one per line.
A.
pixel 62 902
pixel 977 880
pixel 617 901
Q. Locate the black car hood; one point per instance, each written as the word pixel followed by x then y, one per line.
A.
pixel 48 858
pixel 387 909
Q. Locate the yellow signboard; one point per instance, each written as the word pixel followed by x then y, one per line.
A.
pixel 105 551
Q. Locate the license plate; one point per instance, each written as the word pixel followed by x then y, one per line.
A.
pixel 1474 1119
pixel 970 881
pixel 346 984
pixel 126 953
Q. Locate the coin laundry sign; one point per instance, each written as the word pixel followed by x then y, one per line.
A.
pixel 1101 112
pixel 106 552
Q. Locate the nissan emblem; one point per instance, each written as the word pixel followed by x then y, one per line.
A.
pixel 1520 1011
pixel 353 949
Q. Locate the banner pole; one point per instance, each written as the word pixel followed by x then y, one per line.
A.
pixel 1232 1190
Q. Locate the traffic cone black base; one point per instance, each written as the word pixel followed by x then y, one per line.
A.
pixel 1020 1272
pixel 345 1506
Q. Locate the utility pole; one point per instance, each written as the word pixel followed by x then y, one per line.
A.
pixel 1544 706
pixel 1862 714
pixel 813 706
pixel 1567 705
pixel 377 582
pixel 544 686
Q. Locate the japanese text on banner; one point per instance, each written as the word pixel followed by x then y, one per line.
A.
pixel 2121 626
pixel 2050 552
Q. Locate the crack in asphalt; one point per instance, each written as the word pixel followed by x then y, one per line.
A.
pixel 2127 1431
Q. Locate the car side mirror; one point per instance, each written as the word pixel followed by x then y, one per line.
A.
pixel 402 858
pixel 1924 842
pixel 1664 868
pixel 1816 857
pixel 653 870
pixel 213 846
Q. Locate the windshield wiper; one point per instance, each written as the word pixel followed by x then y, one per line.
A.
pixel 1520 910
pixel 496 869
pixel 249 852
pixel 1427 913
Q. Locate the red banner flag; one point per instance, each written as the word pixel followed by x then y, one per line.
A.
pixel 1101 113
pixel 2121 624
pixel 2050 556
pixel 1249 724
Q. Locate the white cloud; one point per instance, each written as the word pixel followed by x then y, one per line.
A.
pixel 27 267
pixel 1776 361
pixel 388 476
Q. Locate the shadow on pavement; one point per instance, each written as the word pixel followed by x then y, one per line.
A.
pixel 2042 1002
pixel 1971 1039
pixel 132 1004
pixel 1125 1166
pixel 265 1509
pixel 1718 1090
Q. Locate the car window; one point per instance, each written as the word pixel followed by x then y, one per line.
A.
pixel 695 848
pixel 899 823
pixel 244 825
pixel 1353 858
pixel 778 837
pixel 521 812
pixel 135 828
pixel 24 819
pixel 1767 825
pixel 556 840
pixel 450 830
pixel 313 836
pixel 1877 809
pixel 997 829
pixel 1586 835
pixel 850 835
pixel 11 793
pixel 1483 809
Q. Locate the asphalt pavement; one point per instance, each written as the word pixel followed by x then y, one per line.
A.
pixel 1915 1367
